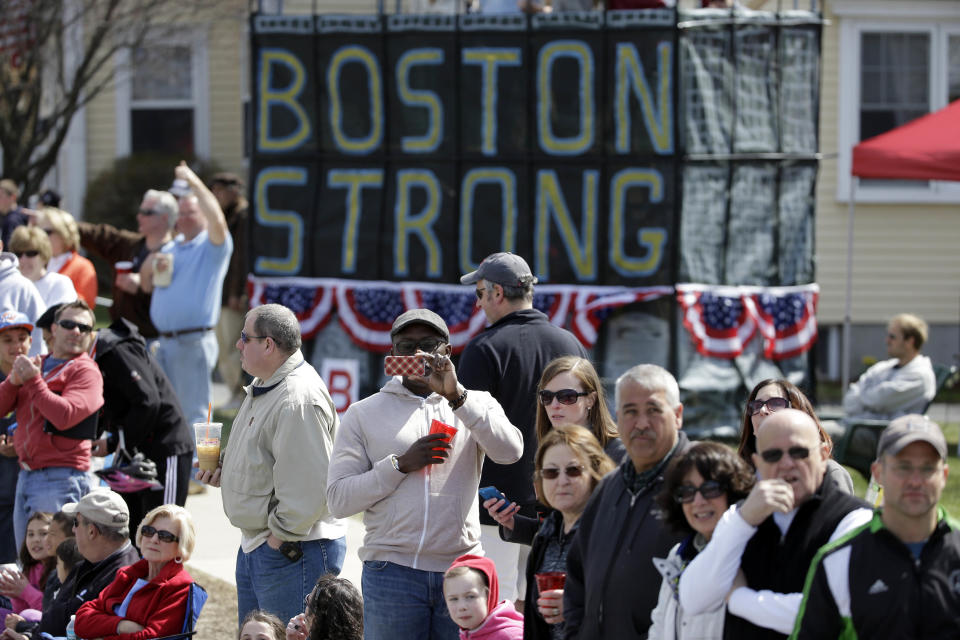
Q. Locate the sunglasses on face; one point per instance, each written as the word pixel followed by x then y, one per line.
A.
pixel 687 492
pixel 409 347
pixel 479 291
pixel 148 212
pixel 772 404
pixel 563 396
pixel 773 455
pixel 49 232
pixel 70 325
pixel 29 254
pixel 165 536
pixel 244 338
pixel 552 473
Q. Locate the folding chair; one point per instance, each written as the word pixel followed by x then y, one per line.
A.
pixel 861 460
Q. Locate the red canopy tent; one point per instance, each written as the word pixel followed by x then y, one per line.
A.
pixel 927 148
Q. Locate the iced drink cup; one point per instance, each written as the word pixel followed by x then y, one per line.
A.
pixel 208 444
pixel 550 580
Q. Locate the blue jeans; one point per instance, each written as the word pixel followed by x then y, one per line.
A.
pixel 188 361
pixel 400 603
pixel 267 580
pixel 47 490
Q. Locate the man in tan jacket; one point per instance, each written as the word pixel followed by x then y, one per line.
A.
pixel 273 470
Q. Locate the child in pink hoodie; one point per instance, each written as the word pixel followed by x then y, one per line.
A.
pixel 471 590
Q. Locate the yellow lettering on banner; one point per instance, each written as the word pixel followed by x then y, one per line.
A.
pixel 582 141
pixel 354 180
pixel 651 238
pixel 344 143
pixel 289 220
pixel 286 97
pixel 507 181
pixel 631 80
pixel 429 100
pixel 581 249
pixel 419 225
pixel 490 59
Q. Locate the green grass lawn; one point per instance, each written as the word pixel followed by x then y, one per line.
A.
pixel 951 495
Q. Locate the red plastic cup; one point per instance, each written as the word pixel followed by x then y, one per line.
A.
pixel 440 427
pixel 550 580
pixel 124 266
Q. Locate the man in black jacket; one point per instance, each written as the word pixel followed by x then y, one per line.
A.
pixel 760 551
pixel 506 360
pixel 102 530
pixel 899 575
pixel 142 414
pixel 612 585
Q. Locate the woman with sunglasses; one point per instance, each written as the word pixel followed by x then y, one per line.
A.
pixel 570 392
pixel 32 248
pixel 770 396
pixel 699 486
pixel 64 235
pixel 568 466
pixel 148 599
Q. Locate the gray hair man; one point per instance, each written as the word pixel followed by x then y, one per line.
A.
pixel 274 469
pixel 868 583
pixel 612 585
pixel 101 526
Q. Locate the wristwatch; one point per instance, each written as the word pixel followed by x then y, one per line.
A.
pixel 395 461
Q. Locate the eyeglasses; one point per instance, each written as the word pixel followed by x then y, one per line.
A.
pixel 70 325
pixel 244 338
pixel 29 254
pixel 773 404
pixel 773 455
pixel 165 536
pixel 563 396
pixel 409 347
pixel 148 212
pixel 709 490
pixel 552 473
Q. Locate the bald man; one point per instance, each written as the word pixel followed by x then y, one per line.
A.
pixel 761 549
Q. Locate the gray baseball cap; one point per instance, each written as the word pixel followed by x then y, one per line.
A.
pixel 909 429
pixel 420 316
pixel 102 506
pixel 502 268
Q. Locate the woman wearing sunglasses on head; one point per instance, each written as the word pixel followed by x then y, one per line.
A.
pixel 570 393
pixel 568 466
pixel 770 396
pixel 698 488
pixel 148 599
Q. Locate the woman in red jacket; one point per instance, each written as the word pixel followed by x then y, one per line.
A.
pixel 148 599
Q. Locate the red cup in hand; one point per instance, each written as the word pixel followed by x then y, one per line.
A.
pixel 550 580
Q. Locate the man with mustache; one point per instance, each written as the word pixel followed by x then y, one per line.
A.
pixel 612 585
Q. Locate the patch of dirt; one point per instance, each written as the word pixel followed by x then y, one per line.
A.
pixel 218 620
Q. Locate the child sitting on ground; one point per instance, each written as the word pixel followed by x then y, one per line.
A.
pixel 472 591
pixel 25 587
pixel 260 625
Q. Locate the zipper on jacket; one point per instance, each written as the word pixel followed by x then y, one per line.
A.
pixel 426 493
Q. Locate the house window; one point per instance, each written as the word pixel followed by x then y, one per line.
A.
pixel 896 64
pixel 162 103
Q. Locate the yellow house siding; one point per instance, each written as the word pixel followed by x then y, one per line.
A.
pixel 905 255
pixel 225 47
pixel 101 130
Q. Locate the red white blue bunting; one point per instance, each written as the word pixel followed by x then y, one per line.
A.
pixel 722 320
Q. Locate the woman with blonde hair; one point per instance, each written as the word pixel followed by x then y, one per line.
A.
pixel 570 392
pixel 148 599
pixel 33 251
pixel 64 241
pixel 569 465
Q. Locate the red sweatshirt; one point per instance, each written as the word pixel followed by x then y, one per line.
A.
pixel 159 606
pixel 64 396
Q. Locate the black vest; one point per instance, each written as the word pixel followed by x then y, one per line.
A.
pixel 780 563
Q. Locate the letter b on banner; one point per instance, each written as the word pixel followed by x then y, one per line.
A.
pixel 341 376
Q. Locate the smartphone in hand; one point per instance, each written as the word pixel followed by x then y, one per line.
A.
pixel 405 366
pixel 492 492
